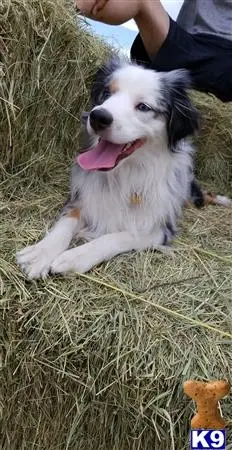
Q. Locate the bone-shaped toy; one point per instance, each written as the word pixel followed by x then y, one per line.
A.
pixel 206 396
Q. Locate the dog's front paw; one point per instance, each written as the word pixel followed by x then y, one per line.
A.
pixel 36 260
pixel 75 260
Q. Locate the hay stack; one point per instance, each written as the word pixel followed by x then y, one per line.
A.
pixel 214 157
pixel 85 365
pixel 48 64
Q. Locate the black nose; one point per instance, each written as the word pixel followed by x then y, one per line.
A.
pixel 100 119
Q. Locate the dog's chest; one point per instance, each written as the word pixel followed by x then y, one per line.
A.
pixel 135 199
pixel 107 211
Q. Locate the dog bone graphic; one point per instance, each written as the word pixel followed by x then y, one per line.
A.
pixel 207 396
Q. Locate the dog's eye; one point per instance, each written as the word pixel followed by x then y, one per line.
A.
pixel 143 107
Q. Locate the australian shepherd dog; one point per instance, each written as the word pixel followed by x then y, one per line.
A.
pixel 130 184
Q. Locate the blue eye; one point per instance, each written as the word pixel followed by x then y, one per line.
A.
pixel 143 107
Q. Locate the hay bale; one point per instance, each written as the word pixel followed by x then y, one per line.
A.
pixel 214 156
pixel 84 365
pixel 47 66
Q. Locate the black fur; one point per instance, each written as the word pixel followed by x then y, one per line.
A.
pixel 169 233
pixel 196 194
pixel 99 93
pixel 182 116
pixel 86 141
pixel 84 117
pixel 100 90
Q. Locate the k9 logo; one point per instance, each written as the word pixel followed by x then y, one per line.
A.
pixel 208 439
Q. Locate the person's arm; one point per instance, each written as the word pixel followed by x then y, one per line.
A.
pixel 91 8
pixel 99 5
pixel 111 12
pixel 149 15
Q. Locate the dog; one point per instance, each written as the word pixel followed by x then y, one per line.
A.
pixel 131 182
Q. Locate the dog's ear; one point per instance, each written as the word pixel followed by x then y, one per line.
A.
pixel 100 88
pixel 183 117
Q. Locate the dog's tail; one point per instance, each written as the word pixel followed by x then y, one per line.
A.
pixel 201 198
pixel 220 200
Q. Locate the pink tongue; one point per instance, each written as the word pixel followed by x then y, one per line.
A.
pixel 103 156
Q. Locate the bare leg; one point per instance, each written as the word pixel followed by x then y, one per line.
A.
pixel 149 15
pixel 83 258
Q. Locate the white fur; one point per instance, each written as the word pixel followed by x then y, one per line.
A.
pixel 136 85
pixel 160 177
pixel 222 200
pixel 106 196
pixel 36 259
pixel 83 258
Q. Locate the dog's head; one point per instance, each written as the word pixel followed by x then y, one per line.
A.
pixel 131 106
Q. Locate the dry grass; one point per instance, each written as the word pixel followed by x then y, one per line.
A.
pixel 87 366
pixel 95 362
pixel 214 158
pixel 47 66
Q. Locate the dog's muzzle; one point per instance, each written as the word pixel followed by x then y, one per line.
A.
pixel 100 119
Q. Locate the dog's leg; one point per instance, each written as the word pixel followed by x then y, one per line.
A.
pixel 36 259
pixel 83 258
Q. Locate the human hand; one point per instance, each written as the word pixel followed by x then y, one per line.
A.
pixel 91 7
pixel 112 12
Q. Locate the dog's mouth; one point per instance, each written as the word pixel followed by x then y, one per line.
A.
pixel 106 155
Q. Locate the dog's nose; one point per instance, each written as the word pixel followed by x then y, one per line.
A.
pixel 100 119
